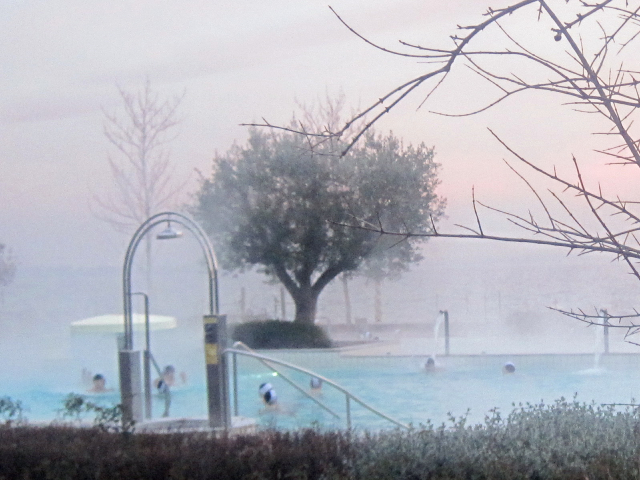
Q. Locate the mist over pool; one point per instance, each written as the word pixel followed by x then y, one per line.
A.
pixel 498 313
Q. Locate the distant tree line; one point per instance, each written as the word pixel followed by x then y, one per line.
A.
pixel 7 266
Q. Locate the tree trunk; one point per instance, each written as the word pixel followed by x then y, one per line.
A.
pixel 304 293
pixel 243 304
pixel 378 300
pixel 306 301
pixel 283 304
pixel 347 298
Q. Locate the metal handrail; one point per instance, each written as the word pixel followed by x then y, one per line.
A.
pixel 349 396
pixel 283 376
pixel 166 392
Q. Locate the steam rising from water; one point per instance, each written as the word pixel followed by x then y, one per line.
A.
pixel 497 304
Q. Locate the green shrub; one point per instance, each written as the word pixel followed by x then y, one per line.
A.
pixel 108 419
pixel 271 334
pixel 11 410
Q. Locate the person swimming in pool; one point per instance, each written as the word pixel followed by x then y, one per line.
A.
pixel 316 384
pixel 168 378
pixel 430 364
pixel 268 396
pixel 99 384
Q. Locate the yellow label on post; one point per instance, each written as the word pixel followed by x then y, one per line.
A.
pixel 210 319
pixel 211 353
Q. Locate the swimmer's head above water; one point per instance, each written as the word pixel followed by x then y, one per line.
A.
pixel 264 388
pixel 270 398
pixel 430 364
pixel 315 383
pixel 509 367
pixel 268 394
pixel 99 384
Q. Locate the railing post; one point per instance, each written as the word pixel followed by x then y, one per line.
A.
pixel 234 360
pixel 446 332
pixel 147 384
pixel 348 412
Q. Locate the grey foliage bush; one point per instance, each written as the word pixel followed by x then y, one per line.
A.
pixel 566 439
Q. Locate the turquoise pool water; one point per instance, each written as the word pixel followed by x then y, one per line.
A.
pixel 397 386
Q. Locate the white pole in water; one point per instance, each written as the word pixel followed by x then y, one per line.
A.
pixel 605 322
pixel 446 333
pixel 436 331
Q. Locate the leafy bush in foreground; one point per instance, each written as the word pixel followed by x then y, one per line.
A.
pixel 70 453
pixel 564 440
pixel 11 410
pixel 106 418
pixel 272 334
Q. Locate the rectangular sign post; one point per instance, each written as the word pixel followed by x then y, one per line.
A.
pixel 215 341
pixel 130 385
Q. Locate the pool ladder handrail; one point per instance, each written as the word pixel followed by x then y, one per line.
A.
pixel 265 360
pixel 166 392
pixel 280 374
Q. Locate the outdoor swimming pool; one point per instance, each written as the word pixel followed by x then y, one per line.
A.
pixel 397 386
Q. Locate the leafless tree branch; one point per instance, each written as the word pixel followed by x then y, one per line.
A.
pixel 591 76
pixel 142 174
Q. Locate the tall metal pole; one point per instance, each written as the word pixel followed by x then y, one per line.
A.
pixel 234 363
pixel 146 358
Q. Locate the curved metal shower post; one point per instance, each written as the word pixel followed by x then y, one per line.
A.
pixel 349 396
pixel 210 256
pixel 146 226
pixel 126 276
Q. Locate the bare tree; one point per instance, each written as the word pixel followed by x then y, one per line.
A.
pixel 596 72
pixel 143 181
pixel 7 269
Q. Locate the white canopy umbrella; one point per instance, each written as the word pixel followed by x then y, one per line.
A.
pixel 115 323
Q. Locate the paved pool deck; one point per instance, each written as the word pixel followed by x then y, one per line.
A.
pixel 493 341
pixel 239 426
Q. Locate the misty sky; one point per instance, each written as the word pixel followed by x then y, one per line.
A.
pixel 238 62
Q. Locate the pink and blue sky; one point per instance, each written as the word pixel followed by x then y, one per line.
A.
pixel 238 61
